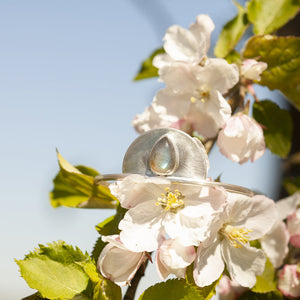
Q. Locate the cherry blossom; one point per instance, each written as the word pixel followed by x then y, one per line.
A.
pixel 186 45
pixel 158 207
pixel 173 258
pixel 118 263
pixel 194 96
pixel 251 69
pixel 275 242
pixel 244 219
pixel 241 139
pixel 289 281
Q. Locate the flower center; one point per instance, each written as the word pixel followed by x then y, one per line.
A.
pixel 237 236
pixel 203 95
pixel 171 201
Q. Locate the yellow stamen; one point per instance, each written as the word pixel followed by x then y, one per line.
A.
pixel 171 201
pixel 193 99
pixel 236 235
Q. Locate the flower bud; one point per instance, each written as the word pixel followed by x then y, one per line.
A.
pixel 241 139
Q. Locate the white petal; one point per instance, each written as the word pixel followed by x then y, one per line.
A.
pixel 141 227
pixel 154 116
pixel 173 258
pixel 218 75
pixel 288 205
pixel 179 77
pixel 162 60
pixel 175 104
pixel 275 244
pixel 243 264
pixel 135 189
pixel 257 213
pixel 119 265
pixel 202 28
pixel 182 45
pixel 208 265
pixel 209 116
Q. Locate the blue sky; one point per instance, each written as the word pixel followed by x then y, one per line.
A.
pixel 66 70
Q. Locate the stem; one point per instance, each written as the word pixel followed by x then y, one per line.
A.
pixel 135 281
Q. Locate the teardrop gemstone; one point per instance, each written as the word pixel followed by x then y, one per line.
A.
pixel 164 158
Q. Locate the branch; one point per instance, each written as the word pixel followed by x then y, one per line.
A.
pixel 135 281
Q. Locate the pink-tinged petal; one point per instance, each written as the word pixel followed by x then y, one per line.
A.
pixel 135 189
pixel 295 240
pixel 288 205
pixel 251 69
pixel 228 289
pixel 218 75
pixel 241 139
pixel 275 244
pixel 173 258
pixel 260 218
pixel 243 264
pixel 289 281
pixel 293 226
pixel 141 227
pixel 208 265
pixel 202 28
pixel 182 45
pixel 119 264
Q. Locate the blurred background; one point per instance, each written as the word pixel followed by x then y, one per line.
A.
pixel 66 82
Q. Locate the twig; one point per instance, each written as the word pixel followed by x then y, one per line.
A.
pixel 135 281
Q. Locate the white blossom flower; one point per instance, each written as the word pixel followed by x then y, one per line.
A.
pixel 293 226
pixel 289 281
pixel 118 263
pixel 194 95
pixel 186 45
pixel 158 207
pixel 275 242
pixel 173 258
pixel 245 219
pixel 251 69
pixel 241 139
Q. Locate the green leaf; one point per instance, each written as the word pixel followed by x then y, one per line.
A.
pixel 233 57
pixel 176 289
pixel 282 54
pixel 269 15
pixel 75 187
pixel 147 70
pixel 292 185
pixel 98 247
pixel 103 289
pixel 255 296
pixel 278 126
pixel 53 270
pixel 171 289
pixel 266 282
pixel 107 290
pixel 232 32
pixel 110 225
